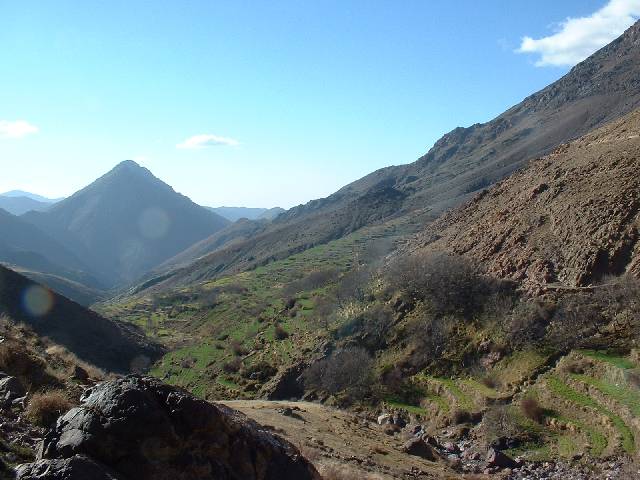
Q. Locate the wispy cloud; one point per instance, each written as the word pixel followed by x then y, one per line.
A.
pixel 207 140
pixel 577 38
pixel 16 128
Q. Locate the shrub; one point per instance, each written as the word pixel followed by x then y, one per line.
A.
pixel 501 430
pixel 232 366
pixel 460 416
pixel 633 379
pixel 353 286
pixel 451 284
pixel 260 371
pixel 489 382
pixel 280 333
pixel 313 281
pixel 575 366
pixel 432 336
pixel 323 310
pixel 532 409
pixel 527 324
pixel 370 328
pixel 575 321
pixel 347 370
pixel 237 348
pixel 45 408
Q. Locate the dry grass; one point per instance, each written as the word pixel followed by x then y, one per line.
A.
pixel 343 472
pixel 45 408
pixel 70 360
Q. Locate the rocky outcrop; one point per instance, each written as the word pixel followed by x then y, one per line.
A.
pixel 138 428
pixel 567 220
pixel 286 384
pixel 78 467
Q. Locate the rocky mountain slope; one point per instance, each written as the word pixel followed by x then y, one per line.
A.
pixel 568 219
pixel 126 223
pixel 602 88
pixel 93 338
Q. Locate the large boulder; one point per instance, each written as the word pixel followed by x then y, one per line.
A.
pixel 77 467
pixel 10 389
pixel 143 429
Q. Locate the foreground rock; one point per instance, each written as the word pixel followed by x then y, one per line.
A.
pixel 137 428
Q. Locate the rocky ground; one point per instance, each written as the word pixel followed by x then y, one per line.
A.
pixel 387 447
pixel 532 227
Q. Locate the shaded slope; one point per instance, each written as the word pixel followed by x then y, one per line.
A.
pixel 569 219
pixel 127 222
pixel 25 247
pixel 91 337
pixel 602 88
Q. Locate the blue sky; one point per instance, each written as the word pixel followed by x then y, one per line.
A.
pixel 264 103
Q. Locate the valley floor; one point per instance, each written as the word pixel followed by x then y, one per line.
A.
pixel 339 440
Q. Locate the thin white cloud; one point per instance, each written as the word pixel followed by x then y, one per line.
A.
pixel 577 38
pixel 207 140
pixel 16 128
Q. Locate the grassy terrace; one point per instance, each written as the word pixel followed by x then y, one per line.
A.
pixel 565 391
pixel 245 309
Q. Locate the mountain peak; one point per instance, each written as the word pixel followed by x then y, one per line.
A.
pixel 130 169
pixel 128 165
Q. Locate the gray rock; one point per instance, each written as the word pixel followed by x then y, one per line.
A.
pixel 385 419
pixel 78 467
pixel 10 389
pixel 495 458
pixel 144 429
pixel 420 448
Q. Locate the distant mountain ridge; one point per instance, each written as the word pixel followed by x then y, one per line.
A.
pixel 600 89
pixel 125 223
pixel 236 213
pixel 32 196
pixel 18 202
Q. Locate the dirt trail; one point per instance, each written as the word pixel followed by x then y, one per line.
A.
pixel 340 440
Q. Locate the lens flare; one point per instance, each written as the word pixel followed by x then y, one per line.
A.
pixel 153 223
pixel 37 301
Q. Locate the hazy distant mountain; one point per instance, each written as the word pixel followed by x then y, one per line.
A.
pixel 18 202
pixel 236 213
pixel 20 205
pixel 271 213
pixel 32 196
pixel 126 222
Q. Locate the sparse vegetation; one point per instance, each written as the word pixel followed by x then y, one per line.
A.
pixel 347 370
pixel 44 408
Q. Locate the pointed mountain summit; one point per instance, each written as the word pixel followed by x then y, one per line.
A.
pixel 126 222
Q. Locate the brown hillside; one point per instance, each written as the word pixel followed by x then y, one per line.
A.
pixel 568 219
pixel 602 88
